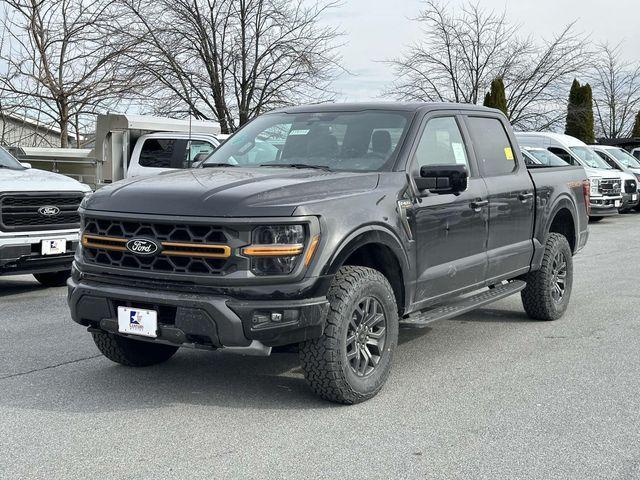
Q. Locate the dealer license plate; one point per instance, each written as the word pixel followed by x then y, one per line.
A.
pixel 617 203
pixel 634 197
pixel 137 321
pixel 53 246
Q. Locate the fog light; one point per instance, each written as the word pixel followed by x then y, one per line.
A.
pixel 260 319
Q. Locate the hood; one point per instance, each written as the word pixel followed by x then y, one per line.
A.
pixel 228 192
pixel 34 180
pixel 602 173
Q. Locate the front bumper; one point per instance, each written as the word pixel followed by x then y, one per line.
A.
pixel 200 319
pixel 21 254
pixel 628 200
pixel 604 206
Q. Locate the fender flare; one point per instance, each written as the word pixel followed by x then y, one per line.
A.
pixel 564 202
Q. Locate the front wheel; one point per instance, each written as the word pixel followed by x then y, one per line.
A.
pixel 53 279
pixel 548 289
pixel 351 361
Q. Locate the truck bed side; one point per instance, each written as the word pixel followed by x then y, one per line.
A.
pixel 559 196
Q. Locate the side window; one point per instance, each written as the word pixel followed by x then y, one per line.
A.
pixel 491 143
pixel 563 154
pixel 157 152
pixel 441 144
pixel 198 151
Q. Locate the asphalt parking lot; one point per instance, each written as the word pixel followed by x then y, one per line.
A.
pixel 488 395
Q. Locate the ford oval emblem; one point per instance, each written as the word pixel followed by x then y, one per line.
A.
pixel 49 211
pixel 142 246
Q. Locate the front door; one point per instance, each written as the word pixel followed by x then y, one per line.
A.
pixel 450 230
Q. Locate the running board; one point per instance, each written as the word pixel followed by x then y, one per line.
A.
pixel 463 305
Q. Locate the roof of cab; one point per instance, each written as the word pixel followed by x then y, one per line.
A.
pixel 559 138
pixel 388 106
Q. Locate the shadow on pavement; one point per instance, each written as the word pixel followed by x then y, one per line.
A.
pixel 198 378
pixel 23 284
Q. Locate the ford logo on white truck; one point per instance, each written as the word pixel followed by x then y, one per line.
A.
pixel 141 246
pixel 49 211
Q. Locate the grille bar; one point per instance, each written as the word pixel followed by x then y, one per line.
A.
pixel 180 249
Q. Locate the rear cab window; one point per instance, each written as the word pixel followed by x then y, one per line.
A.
pixel 173 153
pixel 494 152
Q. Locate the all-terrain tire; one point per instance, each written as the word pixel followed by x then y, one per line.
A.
pixel 324 360
pixel 53 279
pixel 132 353
pixel 538 296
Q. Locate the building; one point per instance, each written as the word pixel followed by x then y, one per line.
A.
pixel 21 131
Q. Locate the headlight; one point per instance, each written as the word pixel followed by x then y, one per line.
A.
pixel 275 249
pixel 595 186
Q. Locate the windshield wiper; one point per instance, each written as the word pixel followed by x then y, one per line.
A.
pixel 207 165
pixel 296 165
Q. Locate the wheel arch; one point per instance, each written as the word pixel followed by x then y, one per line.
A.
pixel 376 247
pixel 564 221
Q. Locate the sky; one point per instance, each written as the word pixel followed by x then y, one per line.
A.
pixel 376 30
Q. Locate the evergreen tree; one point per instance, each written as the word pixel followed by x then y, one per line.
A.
pixel 496 97
pixel 580 121
pixel 635 133
pixel 587 107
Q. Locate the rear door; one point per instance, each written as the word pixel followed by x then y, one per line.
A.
pixel 450 230
pixel 511 197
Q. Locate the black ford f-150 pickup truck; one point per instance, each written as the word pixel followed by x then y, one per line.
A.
pixel 328 226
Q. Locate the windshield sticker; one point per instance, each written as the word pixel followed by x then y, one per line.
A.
pixel 298 132
pixel 458 153
pixel 508 153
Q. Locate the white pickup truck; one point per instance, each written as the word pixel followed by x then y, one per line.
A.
pixel 38 221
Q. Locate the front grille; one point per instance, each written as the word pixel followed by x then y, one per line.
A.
pixel 185 248
pixel 21 211
pixel 630 186
pixel 610 186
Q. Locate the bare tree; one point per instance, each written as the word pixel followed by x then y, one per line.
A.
pixel 230 60
pixel 616 92
pixel 460 54
pixel 537 83
pixel 58 64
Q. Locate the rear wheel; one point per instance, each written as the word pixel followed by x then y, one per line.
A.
pixel 548 289
pixel 132 353
pixel 53 279
pixel 352 360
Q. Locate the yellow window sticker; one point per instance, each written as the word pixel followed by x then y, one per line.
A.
pixel 508 153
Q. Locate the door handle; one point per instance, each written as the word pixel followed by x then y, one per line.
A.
pixel 478 204
pixel 524 197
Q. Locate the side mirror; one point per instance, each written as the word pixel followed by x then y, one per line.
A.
pixel 25 164
pixel 443 178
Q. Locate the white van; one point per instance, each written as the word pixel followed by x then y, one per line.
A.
pixel 606 183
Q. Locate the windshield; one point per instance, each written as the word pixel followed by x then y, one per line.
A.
pixel 360 141
pixel 546 158
pixel 624 158
pixel 590 158
pixel 8 161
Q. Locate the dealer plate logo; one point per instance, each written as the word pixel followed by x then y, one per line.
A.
pixel 142 246
pixel 49 211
